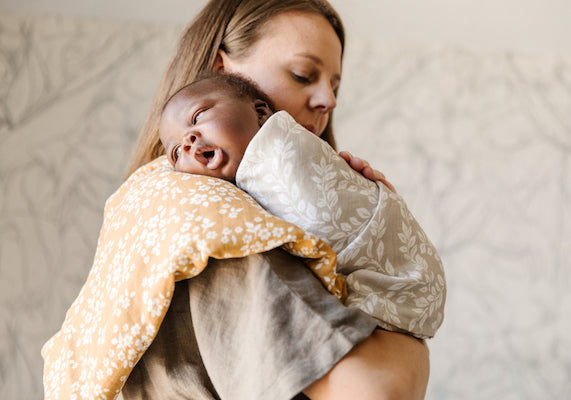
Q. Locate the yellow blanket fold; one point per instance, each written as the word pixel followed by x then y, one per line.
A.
pixel 159 227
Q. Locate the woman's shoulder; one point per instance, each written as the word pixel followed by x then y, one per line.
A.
pixel 159 164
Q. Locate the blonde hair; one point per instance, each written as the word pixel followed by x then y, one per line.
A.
pixel 230 25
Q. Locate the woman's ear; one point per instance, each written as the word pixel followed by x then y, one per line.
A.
pixel 263 110
pixel 220 61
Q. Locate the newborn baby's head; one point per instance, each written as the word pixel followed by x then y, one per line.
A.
pixel 206 126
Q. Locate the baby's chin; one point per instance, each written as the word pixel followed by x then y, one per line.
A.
pixel 227 176
pixel 226 171
pixel 223 165
pixel 230 176
pixel 212 173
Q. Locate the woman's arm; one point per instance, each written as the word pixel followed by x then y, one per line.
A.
pixel 386 365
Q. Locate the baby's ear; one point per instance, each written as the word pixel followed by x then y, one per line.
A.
pixel 263 110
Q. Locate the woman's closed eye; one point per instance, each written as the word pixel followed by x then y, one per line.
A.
pixel 301 78
pixel 308 79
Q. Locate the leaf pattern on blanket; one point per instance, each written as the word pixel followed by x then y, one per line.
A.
pixel 159 227
pixel 393 271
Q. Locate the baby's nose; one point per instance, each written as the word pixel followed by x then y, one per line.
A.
pixel 191 137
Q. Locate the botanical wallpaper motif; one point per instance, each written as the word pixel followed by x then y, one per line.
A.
pixel 479 145
pixel 73 95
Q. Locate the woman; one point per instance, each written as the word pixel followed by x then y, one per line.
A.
pixel 292 49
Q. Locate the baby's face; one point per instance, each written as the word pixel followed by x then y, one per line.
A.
pixel 206 130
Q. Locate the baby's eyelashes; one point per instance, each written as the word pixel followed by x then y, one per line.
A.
pixel 175 152
pixel 198 116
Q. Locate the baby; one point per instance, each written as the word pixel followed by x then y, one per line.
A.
pixel 223 126
pixel 206 126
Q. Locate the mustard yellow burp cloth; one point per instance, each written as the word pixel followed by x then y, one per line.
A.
pixel 159 227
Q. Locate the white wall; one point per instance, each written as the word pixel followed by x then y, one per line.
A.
pixel 514 25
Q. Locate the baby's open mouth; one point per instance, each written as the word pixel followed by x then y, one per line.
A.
pixel 209 154
pixel 212 158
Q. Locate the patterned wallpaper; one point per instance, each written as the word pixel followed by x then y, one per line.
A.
pixel 73 95
pixel 478 143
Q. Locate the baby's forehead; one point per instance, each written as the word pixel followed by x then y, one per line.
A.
pixel 194 94
pixel 206 88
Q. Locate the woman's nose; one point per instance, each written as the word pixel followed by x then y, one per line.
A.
pixel 323 99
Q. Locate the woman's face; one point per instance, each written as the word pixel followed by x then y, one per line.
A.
pixel 297 62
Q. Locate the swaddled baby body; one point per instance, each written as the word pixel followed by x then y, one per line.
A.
pixel 220 126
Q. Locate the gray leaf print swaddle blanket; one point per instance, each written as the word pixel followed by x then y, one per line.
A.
pixel 393 271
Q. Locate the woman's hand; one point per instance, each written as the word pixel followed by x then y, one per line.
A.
pixel 364 168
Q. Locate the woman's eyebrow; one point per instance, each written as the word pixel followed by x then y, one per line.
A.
pixel 312 57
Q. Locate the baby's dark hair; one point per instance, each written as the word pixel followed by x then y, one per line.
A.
pixel 241 87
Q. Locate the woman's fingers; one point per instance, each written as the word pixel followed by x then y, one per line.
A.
pixel 375 175
pixel 346 156
pixel 358 164
pixel 355 162
pixel 364 168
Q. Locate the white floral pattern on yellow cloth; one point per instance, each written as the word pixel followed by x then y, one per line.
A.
pixel 159 227
pixel 393 271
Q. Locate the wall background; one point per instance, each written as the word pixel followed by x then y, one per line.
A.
pixel 466 107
